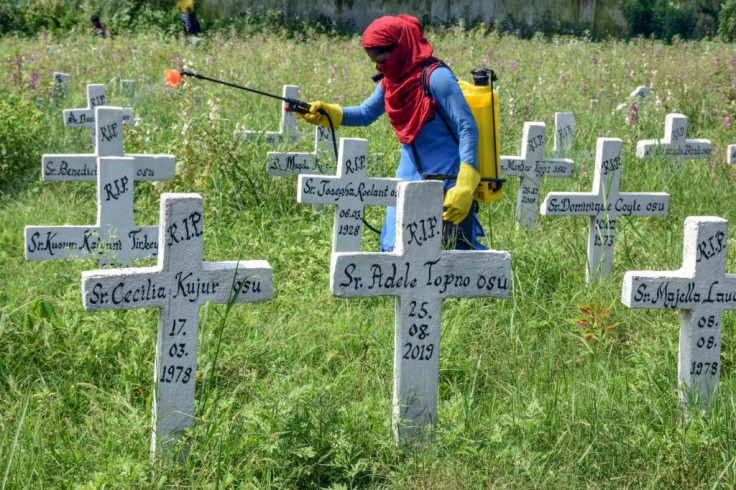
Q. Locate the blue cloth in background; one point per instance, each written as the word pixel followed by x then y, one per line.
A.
pixel 438 152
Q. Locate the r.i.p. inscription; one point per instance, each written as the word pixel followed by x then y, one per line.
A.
pixel 701 290
pixel 419 274
pixel 178 285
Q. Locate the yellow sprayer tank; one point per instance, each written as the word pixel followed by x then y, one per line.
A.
pixel 478 96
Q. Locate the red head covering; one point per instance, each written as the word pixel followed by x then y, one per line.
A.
pixel 406 105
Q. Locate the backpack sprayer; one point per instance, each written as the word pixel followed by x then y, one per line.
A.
pixel 292 105
pixel 483 102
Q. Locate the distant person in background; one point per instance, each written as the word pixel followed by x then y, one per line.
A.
pixel 188 19
pixel 98 29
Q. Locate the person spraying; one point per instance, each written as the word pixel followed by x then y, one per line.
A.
pixel 434 124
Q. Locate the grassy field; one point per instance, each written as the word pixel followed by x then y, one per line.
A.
pixel 558 386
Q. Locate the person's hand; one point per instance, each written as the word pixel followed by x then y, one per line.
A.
pixel 459 198
pixel 314 116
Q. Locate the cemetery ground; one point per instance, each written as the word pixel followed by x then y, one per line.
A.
pixel 560 385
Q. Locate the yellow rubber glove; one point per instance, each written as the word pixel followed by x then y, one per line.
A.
pixel 314 117
pixel 459 198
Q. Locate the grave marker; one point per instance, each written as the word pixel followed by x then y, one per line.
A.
pixel 60 86
pixel 564 127
pixel 420 275
pixel 286 164
pixel 114 239
pixel 701 290
pixel 731 154
pixel 350 190
pixel 531 167
pixel 604 205
pixel 674 146
pixel 85 117
pixel 287 126
pixel 178 286
pixel 108 143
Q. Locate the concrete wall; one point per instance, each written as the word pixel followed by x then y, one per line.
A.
pixel 600 16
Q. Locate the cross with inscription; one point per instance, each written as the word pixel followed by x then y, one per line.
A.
pixel 114 239
pixel 178 286
pixel 420 275
pixel 287 127
pixel 564 127
pixel 109 143
pixel 350 190
pixel 531 166
pixel 731 154
pixel 85 117
pixel 286 164
pixel 674 146
pixel 604 205
pixel 701 290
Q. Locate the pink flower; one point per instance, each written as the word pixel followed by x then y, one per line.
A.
pixel 728 122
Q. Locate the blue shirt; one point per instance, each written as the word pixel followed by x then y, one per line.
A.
pixel 438 152
pixel 437 149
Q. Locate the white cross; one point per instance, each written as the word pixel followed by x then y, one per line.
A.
pixel 564 127
pixel 350 190
pixel 731 154
pixel 178 285
pixel 531 166
pixel 85 117
pixel 674 146
pixel 285 164
pixel 604 205
pixel 287 126
pixel 114 239
pixel 60 85
pixel 701 290
pixel 420 275
pixel 109 143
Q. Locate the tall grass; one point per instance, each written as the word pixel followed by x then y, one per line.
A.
pixel 560 385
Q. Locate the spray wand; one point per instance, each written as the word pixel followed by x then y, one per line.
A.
pixel 173 78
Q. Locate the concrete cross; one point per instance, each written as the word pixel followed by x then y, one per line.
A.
pixel 531 166
pixel 114 239
pixel 287 127
pixel 731 154
pixel 85 117
pixel 286 164
pixel 701 290
pixel 604 205
pixel 178 285
pixel 109 143
pixel 350 190
pixel 420 275
pixel 674 146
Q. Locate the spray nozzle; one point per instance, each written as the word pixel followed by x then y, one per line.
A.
pixel 483 76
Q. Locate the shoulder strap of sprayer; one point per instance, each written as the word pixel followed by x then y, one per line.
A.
pixel 426 72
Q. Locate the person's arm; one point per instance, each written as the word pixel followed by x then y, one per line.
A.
pixel 455 109
pixel 367 112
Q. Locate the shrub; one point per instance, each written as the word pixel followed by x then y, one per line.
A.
pixel 727 20
pixel 20 128
pixel 661 19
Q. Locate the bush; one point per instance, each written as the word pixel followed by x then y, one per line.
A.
pixel 727 20
pixel 20 128
pixel 661 19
